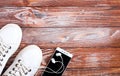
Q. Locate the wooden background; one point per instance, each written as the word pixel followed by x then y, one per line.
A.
pixel 89 29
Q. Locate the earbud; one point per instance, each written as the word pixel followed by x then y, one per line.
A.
pixel 53 60
pixel 58 54
pixel 62 67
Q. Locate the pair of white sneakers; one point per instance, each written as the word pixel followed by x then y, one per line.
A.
pixel 26 62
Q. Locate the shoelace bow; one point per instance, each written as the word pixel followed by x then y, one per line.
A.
pixel 19 69
pixel 4 49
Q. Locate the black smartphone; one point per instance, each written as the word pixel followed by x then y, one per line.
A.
pixel 58 63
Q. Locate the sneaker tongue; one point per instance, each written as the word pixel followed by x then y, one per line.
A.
pixel 8 37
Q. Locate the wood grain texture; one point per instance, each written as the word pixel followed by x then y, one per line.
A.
pixel 60 16
pixel 86 61
pixel 89 72
pixel 73 37
pixel 73 2
pixel 90 3
pixel 89 29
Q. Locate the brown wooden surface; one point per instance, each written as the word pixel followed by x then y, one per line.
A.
pixel 60 16
pixel 86 61
pixel 60 3
pixel 73 37
pixel 89 29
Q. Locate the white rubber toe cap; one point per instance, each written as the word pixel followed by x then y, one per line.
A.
pixel 11 33
pixel 32 55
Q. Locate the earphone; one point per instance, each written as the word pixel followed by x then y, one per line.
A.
pixel 58 54
pixel 54 61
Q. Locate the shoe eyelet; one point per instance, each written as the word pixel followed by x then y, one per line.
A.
pixel 4 55
pixel 13 69
pixel 30 70
pixel 26 73
pixel 9 72
pixel 10 47
pixel 19 60
pixel 16 65
pixel 6 51
pixel 1 59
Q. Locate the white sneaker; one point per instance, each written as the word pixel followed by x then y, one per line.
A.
pixel 26 63
pixel 10 38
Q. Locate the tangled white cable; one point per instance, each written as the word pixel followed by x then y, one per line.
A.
pixel 54 61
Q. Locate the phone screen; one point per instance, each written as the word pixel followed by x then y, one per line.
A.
pixel 58 65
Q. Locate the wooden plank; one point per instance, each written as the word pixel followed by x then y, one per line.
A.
pixel 73 3
pixel 60 16
pixel 84 57
pixel 86 61
pixel 95 3
pixel 13 3
pixel 89 72
pixel 73 37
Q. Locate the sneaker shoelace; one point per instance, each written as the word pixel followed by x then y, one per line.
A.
pixel 4 49
pixel 19 69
